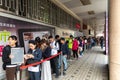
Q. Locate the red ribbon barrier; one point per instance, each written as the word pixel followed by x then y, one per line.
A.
pixel 33 64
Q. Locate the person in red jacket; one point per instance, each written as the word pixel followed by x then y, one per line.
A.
pixel 75 48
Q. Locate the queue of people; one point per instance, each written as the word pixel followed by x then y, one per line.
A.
pixel 71 49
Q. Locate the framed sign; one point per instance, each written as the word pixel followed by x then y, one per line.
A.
pixel 18 55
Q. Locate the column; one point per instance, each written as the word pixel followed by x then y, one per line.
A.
pixel 114 39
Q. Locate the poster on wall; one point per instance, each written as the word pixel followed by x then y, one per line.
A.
pixel 27 36
pixel 24 31
pixel 64 32
pixel 32 35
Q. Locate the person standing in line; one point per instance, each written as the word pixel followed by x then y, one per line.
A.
pixel 46 53
pixel 102 42
pixel 75 48
pixel 54 50
pixel 65 51
pixel 6 58
pixel 37 40
pixel 34 55
pixel 85 39
pixel 89 43
pixel 57 38
pixel 81 45
pixel 80 48
pixel 70 44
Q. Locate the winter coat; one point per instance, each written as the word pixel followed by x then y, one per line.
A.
pixel 75 44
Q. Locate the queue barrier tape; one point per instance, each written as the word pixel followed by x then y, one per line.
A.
pixel 33 64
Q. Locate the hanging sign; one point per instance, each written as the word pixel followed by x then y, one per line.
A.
pixel 77 25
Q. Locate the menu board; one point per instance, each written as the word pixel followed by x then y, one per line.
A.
pixel 18 55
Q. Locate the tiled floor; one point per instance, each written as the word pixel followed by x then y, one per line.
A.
pixel 92 66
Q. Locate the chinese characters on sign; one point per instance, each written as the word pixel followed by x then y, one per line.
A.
pixel 7 25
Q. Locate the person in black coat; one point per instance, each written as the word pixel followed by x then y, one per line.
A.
pixel 6 58
pixel 65 51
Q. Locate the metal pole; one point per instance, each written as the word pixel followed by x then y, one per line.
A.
pixel 61 61
pixel 18 75
pixel 18 72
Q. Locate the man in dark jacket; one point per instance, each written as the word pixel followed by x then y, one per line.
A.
pixel 65 51
pixel 57 38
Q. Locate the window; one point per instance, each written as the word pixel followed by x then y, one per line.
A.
pixel 42 10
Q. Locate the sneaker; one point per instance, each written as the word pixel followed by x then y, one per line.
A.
pixel 64 73
pixel 65 69
pixel 56 76
pixel 80 56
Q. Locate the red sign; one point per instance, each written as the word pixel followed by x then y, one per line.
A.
pixel 77 25
pixel 1 48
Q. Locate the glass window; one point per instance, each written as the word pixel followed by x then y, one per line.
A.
pixel 42 10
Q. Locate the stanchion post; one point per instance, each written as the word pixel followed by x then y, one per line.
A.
pixel 18 72
pixel 18 75
pixel 61 61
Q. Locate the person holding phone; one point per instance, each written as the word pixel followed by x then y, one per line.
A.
pixel 34 55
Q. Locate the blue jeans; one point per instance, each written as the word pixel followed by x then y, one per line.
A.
pixel 102 45
pixel 81 53
pixel 34 75
pixel 90 46
pixel 64 60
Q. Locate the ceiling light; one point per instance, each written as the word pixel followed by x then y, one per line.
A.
pixel 85 2
pixel 91 12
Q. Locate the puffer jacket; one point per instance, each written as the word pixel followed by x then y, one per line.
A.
pixel 75 44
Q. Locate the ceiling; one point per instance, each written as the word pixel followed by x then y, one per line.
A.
pixel 96 8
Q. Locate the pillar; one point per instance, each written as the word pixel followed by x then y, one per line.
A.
pixel 114 39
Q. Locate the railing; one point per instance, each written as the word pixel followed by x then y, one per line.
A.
pixel 37 63
pixel 34 64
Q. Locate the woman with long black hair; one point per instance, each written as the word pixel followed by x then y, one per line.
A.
pixel 46 53
pixel 6 58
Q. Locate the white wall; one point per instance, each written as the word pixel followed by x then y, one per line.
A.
pixel 64 32
pixel 67 32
